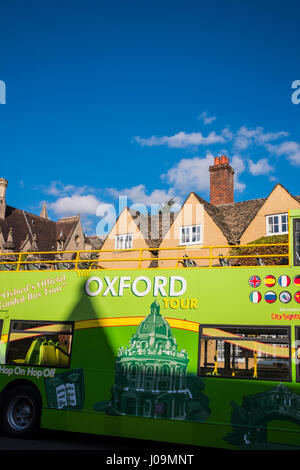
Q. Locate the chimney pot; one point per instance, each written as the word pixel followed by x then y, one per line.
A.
pixel 217 161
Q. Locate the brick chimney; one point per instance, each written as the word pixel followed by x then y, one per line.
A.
pixel 3 186
pixel 221 181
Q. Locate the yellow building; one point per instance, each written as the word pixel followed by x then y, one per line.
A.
pixel 134 240
pixel 165 239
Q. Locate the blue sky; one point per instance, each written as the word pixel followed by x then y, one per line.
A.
pixel 135 98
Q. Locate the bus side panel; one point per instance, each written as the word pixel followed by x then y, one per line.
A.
pixel 127 387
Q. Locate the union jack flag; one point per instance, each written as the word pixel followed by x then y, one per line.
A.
pixel 254 281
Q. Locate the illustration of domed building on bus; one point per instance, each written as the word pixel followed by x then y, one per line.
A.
pixel 151 377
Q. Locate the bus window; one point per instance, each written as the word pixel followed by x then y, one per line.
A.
pixel 245 352
pixel 296 236
pixel 40 343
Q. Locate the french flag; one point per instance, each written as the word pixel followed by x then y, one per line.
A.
pixel 284 281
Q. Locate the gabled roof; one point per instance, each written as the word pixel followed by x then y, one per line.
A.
pixel 239 215
pixel 25 225
pixel 65 227
pixel 95 241
pixel 233 219
pixel 218 217
pixel 153 227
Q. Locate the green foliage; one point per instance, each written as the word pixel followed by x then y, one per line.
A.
pixel 261 251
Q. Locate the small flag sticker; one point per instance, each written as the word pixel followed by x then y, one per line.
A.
pixel 255 297
pixel 284 281
pixel 285 297
pixel 297 280
pixel 254 281
pixel 270 281
pixel 297 297
pixel 270 297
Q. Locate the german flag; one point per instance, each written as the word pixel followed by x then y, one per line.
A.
pixel 297 280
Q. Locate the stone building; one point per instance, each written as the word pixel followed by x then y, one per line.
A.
pixel 22 231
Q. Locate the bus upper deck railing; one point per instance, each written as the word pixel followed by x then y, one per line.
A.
pixel 184 256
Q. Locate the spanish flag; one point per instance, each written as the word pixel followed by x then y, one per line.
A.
pixel 269 281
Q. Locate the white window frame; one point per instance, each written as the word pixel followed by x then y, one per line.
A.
pixel 280 224
pixel 188 228
pixel 124 241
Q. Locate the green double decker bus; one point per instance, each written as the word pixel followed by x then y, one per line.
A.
pixel 204 356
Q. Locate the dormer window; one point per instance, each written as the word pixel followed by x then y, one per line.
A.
pixel 123 242
pixel 60 244
pixel 190 234
pixel 276 224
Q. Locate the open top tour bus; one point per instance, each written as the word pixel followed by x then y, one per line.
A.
pixel 194 355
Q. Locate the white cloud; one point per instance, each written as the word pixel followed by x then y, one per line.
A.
pixel 239 167
pixel 261 167
pixel 57 188
pixel 75 204
pixel 264 137
pixel 182 140
pixel 71 199
pixel 206 119
pixel 138 196
pixel 238 164
pixel 289 149
pixel 246 137
pixel 190 174
pixel 227 134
